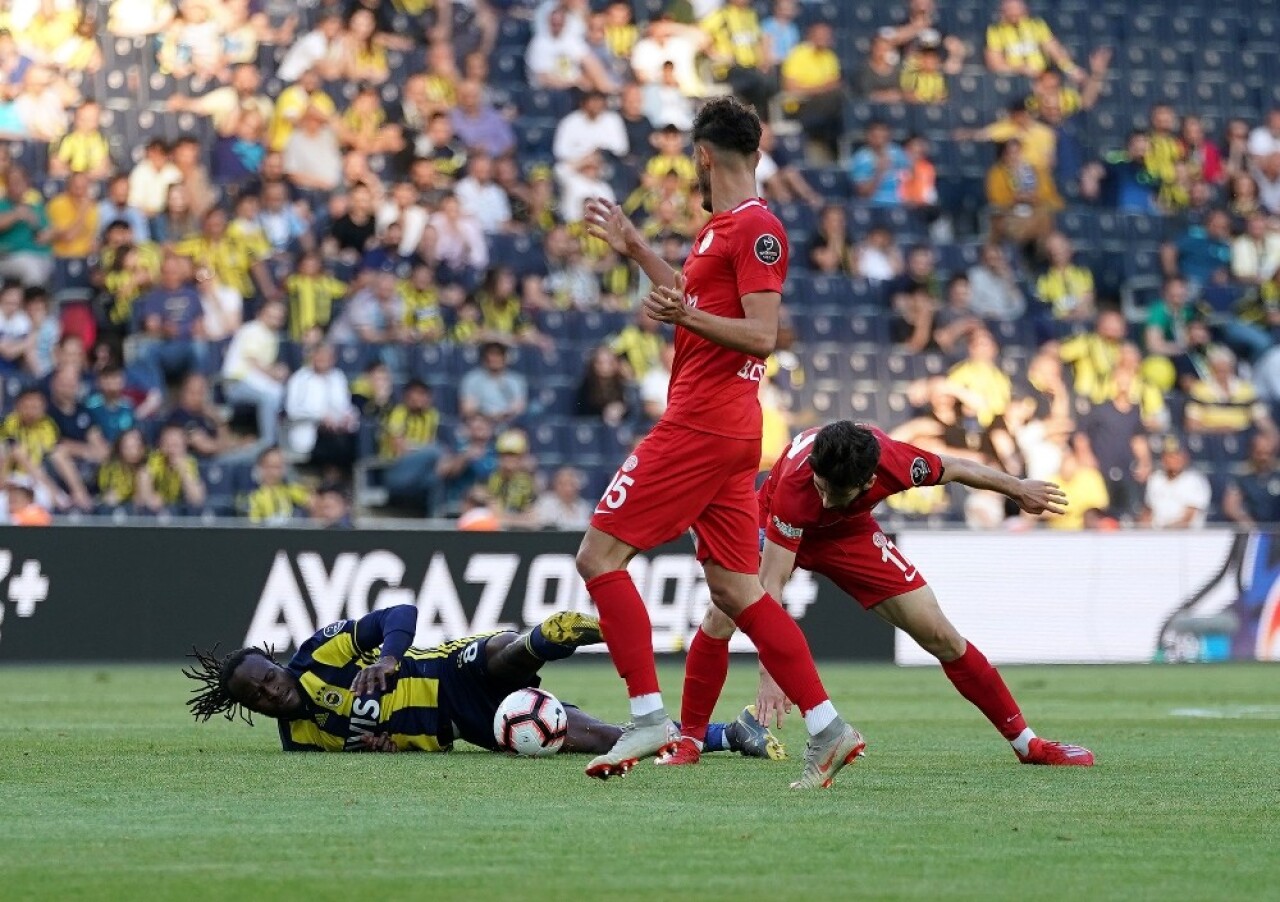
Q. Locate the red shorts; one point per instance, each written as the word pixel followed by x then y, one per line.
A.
pixel 866 566
pixel 680 479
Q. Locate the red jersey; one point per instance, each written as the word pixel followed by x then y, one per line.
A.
pixel 790 504
pixel 714 389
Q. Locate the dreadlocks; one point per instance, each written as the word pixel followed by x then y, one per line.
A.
pixel 212 696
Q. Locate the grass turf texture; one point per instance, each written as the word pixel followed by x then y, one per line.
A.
pixel 108 790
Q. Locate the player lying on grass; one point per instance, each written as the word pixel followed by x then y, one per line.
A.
pixel 357 685
pixel 815 513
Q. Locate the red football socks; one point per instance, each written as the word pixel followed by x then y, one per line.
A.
pixel 783 651
pixel 705 670
pixel 627 631
pixel 979 682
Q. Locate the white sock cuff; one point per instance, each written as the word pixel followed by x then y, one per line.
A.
pixel 1022 744
pixel 646 704
pixel 818 719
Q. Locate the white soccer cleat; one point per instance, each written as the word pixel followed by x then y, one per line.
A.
pixel 637 741
pixel 825 755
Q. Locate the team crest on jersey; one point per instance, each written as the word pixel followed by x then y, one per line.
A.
pixel 791 532
pixel 919 471
pixel 331 698
pixel 631 463
pixel 768 249
pixel 706 241
pixel 334 628
pixel 880 540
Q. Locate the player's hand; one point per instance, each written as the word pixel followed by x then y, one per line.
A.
pixel 772 703
pixel 606 221
pixel 374 677
pixel 1036 497
pixel 378 742
pixel 667 305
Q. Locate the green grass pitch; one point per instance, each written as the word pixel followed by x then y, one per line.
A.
pixel 108 790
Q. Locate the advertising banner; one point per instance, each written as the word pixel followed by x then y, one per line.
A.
pixel 150 593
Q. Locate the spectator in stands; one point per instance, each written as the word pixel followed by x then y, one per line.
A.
pixel 914 321
pixel 639 345
pixel 956 321
pixel 880 79
pixel 559 58
pixel 919 188
pixel 73 220
pixel 780 28
pixel 320 49
pixel 195 414
pixel 513 485
pixel 110 409
pixel 45 330
pixel 23 509
pixel 1177 496
pixel 38 113
pixel 1203 254
pixel 312 296
pixel 562 507
pixel 332 509
pixel 830 250
pixel 473 461
pixel 603 393
pixel 78 437
pixel 1068 289
pixel 403 207
pixel 150 179
pixel 423 318
pixel 1113 435
pixel 1266 175
pixel 409 438
pixel 1018 44
pixel 923 79
pixel 116 206
pixel 1255 253
pixel 492 390
pixel 1253 496
pixel 123 481
pixel 665 104
pixel 740 54
pixel 778 178
pixel 364 49
pixel 667 41
pixel 984 388
pixel 170 317
pixel 478 513
pixel 478 125
pixel 312 158
pixel 1242 196
pixel 276 500
pixel 375 313
pixel 920 273
pixel 1023 198
pixel 1122 180
pixel 1094 356
pixel 1204 160
pixel 251 372
pixel 879 259
pixel 920 22
pixel 24 254
pixel 592 127
pixel 1039 144
pixel 177 221
pixel 226 106
pixel 481 196
pixel 31 439
pixel 175 477
pixel 502 311
pixel 1087 490
pixel 993 287
pixel 877 170
pixel 352 233
pixel 363 126
pixel 456 244
pixel 192 44
pixel 84 148
pixel 321 420
pixel 1192 364
pixel 137 18
pixel 15 329
pixel 1225 403
pixel 1167 319
pixel 811 76
pixel 285 225
pixel 1264 141
pixel 614 58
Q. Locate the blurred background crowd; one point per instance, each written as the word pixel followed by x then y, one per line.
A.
pixel 294 261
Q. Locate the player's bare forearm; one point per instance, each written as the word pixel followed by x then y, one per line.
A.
pixel 979 476
pixel 750 336
pixel 776 566
pixel 659 271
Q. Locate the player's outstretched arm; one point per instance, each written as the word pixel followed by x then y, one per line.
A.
pixel 392 629
pixel 1031 495
pixel 776 566
pixel 606 221
pixel 755 334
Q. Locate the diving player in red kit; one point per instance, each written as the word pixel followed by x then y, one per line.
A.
pixel 815 514
pixel 696 469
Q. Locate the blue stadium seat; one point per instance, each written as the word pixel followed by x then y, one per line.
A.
pixel 535 136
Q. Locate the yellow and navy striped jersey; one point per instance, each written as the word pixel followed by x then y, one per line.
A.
pixel 167 481
pixel 311 300
pixel 413 712
pixel 515 492
pixel 37 439
pixel 464 332
pixel 422 311
pixel 417 429
pixel 1022 45
pixel 230 259
pixel 735 34
pixel 117 481
pixel 277 503
pixel 678 164
pixel 1065 288
pixel 621 39
pixel 81 152
pixel 639 348
pixel 987 382
pixel 503 316
pixel 924 87
pixel 1069 102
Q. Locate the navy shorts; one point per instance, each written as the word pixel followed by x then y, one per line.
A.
pixel 469 697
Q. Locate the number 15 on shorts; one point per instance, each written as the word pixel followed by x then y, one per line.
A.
pixel 616 494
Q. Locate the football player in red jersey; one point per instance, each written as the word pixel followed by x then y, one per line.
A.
pixel 815 513
pixel 696 469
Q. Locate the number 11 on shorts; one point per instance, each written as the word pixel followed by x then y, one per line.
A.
pixel 616 494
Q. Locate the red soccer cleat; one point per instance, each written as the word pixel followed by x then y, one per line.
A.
pixel 683 752
pixel 1059 754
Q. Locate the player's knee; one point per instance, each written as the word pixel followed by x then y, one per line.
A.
pixel 717 624
pixel 729 603
pixel 590 563
pixel 942 641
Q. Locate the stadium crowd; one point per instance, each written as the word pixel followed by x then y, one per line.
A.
pixel 260 258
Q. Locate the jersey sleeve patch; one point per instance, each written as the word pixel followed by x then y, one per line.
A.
pixel 334 628
pixel 786 529
pixel 920 471
pixel 768 249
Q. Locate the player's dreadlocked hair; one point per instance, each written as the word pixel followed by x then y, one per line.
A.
pixel 845 454
pixel 213 696
pixel 728 125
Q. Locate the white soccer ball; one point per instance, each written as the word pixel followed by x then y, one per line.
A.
pixel 530 722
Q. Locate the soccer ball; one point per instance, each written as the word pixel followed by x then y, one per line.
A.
pixel 530 722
